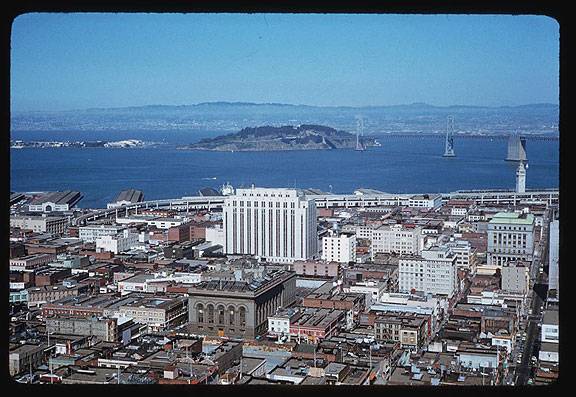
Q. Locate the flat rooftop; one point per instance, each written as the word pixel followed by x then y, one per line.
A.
pixel 317 317
pixel 514 218
pixel 550 317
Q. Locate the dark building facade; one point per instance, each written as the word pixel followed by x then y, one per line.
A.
pixel 239 309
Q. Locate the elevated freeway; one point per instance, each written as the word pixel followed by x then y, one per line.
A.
pixel 483 197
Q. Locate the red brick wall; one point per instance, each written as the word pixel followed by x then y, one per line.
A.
pixel 197 232
pixel 35 249
pixel 179 233
pixel 325 211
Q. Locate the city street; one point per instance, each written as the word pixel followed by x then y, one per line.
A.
pixel 533 318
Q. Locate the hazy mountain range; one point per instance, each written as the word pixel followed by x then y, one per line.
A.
pixel 234 116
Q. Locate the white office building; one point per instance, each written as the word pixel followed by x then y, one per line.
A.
pixel 340 248
pixel 91 232
pixel 273 223
pixel 463 251
pixel 425 201
pixel 121 242
pixel 216 235
pixel 510 238
pixel 434 272
pixel 399 239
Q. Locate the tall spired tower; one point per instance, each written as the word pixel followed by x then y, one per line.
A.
pixel 521 178
pixel 449 147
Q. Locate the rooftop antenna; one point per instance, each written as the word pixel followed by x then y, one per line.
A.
pixel 449 145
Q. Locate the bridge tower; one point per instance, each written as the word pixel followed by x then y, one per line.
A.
pixel 521 178
pixel 359 132
pixel 449 146
pixel 516 148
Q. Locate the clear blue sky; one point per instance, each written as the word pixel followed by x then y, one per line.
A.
pixel 68 61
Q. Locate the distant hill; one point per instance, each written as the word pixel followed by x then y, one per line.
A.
pixel 266 138
pixel 233 116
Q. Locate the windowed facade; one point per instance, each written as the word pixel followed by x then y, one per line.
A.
pixel 271 230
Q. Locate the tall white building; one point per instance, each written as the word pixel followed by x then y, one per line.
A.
pixel 340 248
pixel 510 237
pixel 273 223
pixel 554 247
pixel 397 238
pixel 434 271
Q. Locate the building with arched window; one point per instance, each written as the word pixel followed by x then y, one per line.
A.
pixel 239 308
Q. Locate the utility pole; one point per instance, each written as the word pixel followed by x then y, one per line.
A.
pixel 315 357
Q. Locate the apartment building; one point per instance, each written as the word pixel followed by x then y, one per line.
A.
pixel 340 248
pixel 434 271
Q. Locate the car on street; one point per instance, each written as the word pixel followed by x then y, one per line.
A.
pixel 26 378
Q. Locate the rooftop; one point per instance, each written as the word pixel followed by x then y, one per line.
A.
pixel 65 197
pixel 512 218
pixel 131 195
pixel 550 317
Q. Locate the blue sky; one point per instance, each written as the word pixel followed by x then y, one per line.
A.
pixel 64 61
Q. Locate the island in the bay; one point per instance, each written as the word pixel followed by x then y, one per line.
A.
pixel 268 138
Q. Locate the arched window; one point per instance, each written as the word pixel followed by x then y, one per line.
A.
pixel 231 315
pixel 200 312
pixel 210 313
pixel 220 314
pixel 242 316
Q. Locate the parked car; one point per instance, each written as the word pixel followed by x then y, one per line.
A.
pixel 26 378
